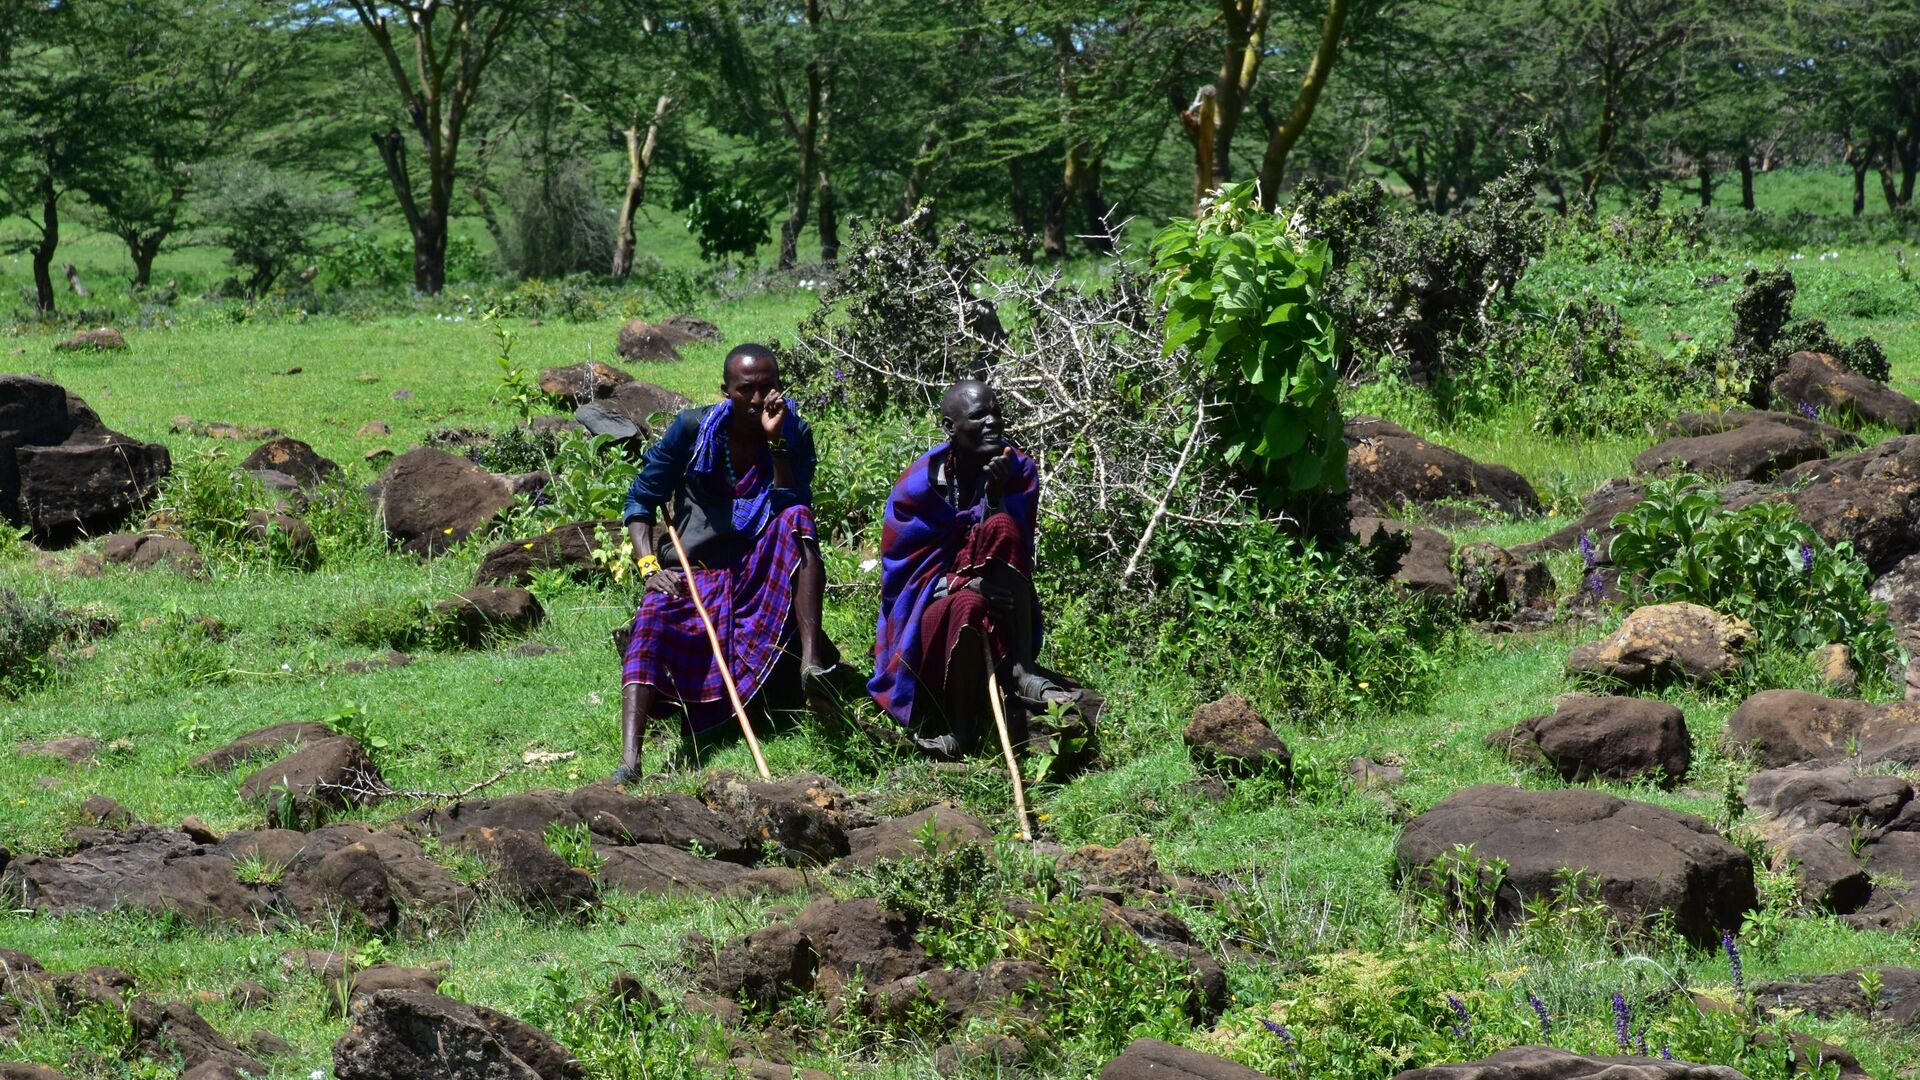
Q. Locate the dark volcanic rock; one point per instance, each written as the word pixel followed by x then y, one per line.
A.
pixel 581 383
pixel 486 612
pixel 1603 504
pixel 639 340
pixel 1552 1063
pixel 860 939
pixel 641 402
pixel 1425 566
pixel 333 772
pixel 1800 797
pixel 665 871
pixel 532 874
pixel 1389 467
pixel 295 459
pixel 900 838
pixel 1129 864
pixel 1781 727
pixel 672 819
pixel 1828 996
pixel 165 1030
pixel 1743 446
pixel 1664 643
pixel 263 742
pixel 1151 1059
pixel 145 551
pixel 1497 584
pixel 1870 499
pixel 1644 859
pixel 72 749
pixel 429 1037
pixel 804 818
pixel 89 486
pixel 27 1070
pixel 761 968
pixel 570 547
pixel 1819 380
pixel 1605 738
pixel 431 500
pixel 1231 736
pixel 693 329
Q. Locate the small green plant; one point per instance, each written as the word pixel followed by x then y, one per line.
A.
pixel 32 629
pixel 1459 892
pixel 372 954
pixel 517 387
pixel 191 728
pixel 573 843
pixel 1760 563
pixel 257 869
pixel 1242 292
pixel 1764 927
pixel 1871 987
pixel 351 720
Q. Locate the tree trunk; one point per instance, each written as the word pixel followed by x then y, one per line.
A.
pixel 1887 186
pixel 797 209
pixel 49 243
pixel 1239 70
pixel 639 163
pixel 429 227
pixel 1053 226
pixel 829 218
pixel 1859 187
pixel 807 135
pixel 1099 235
pixel 1746 180
pixel 1281 140
pixel 143 250
pixel 1706 183
pixel 1201 122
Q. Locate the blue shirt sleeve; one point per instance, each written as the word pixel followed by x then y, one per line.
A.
pixel 665 468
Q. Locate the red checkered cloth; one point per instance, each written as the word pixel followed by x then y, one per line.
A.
pixel 750 603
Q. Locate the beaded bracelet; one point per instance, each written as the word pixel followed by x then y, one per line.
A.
pixel 649 565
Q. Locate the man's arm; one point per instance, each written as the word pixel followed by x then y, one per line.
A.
pixel 665 469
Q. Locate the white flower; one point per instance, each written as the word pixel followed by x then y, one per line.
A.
pixel 317 1074
pixel 867 565
pixel 286 667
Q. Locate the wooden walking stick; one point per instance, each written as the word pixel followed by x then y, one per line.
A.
pixel 720 657
pixel 1006 746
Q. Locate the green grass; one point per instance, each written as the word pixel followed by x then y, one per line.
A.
pixel 1308 868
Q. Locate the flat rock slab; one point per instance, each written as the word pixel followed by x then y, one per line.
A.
pixel 1786 727
pixel 417 1034
pixel 1828 996
pixel 72 749
pixel 669 871
pixel 1151 1059
pixel 1666 643
pixel 1645 860
pixel 268 741
pixel 1752 446
pixel 904 837
pixel 486 612
pixel 1389 467
pixel 1604 738
pixel 1552 1063
pixel 1821 381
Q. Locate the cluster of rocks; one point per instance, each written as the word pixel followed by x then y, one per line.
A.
pixel 63 473
pixel 639 340
pixel 608 401
pixel 1152 1059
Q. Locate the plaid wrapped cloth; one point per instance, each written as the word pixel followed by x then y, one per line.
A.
pixel 921 542
pixel 750 603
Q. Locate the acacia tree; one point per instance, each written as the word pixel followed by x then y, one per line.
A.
pixel 1282 135
pixel 448 47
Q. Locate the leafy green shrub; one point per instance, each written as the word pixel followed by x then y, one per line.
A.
pixel 558 224
pixel 1761 563
pixel 859 462
pixel 268 219
pixel 392 622
pixel 620 1039
pixel 724 212
pixel 32 628
pixel 1765 332
pixel 1584 372
pixel 362 261
pixel 1243 296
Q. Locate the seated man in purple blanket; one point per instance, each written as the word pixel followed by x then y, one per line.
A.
pixel 956 591
pixel 739 476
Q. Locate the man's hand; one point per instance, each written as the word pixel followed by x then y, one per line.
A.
pixel 668 582
pixel 999 600
pixel 996 472
pixel 773 414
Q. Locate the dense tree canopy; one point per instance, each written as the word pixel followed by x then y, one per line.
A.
pixel 556 124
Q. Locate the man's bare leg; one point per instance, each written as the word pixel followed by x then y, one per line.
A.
pixel 809 596
pixel 636 701
pixel 965 700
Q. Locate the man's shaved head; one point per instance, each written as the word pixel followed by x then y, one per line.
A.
pixel 748 356
pixel 961 396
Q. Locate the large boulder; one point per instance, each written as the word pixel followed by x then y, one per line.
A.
pixel 431 500
pixel 1426 566
pixel 1604 738
pixel 1818 380
pixel 425 1036
pixel 1644 861
pixel 1553 1063
pixel 263 742
pixel 1389 467
pixel 1665 643
pixel 1870 499
pixel 88 487
pixel 1496 584
pixel 569 547
pixel 1781 727
pixel 1808 797
pixel 143 868
pixel 641 340
pixel 641 402
pixel 669 818
pixel 1743 445
pixel 291 457
pixel 332 773
pixel 802 819
pixel 581 383
pixel 1231 736
pixel 529 872
pixel 859 940
pixel 486 612
pixel 762 968
pixel 1152 1059
pixel 176 1030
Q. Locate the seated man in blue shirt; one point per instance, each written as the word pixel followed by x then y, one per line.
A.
pixel 739 477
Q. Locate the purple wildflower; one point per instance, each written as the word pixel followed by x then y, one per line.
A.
pixel 473 455
pixel 1640 1044
pixel 540 496
pixel 1807 410
pixel 1597 584
pixel 1806 558
pixel 1463 1027
pixel 1622 1021
pixel 1732 948
pixel 1540 1010
pixel 1666 1054
pixel 1286 1040
pixel 1587 549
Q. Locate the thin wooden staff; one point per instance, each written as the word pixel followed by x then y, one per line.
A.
pixel 1006 746
pixel 720 657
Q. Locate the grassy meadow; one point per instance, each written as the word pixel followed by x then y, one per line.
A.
pixel 1312 905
